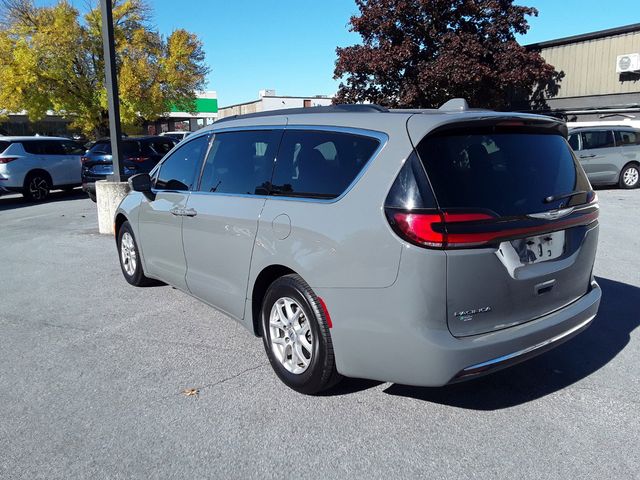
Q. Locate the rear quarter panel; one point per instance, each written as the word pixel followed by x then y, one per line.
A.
pixel 340 244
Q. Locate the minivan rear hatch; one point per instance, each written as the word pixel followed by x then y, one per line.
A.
pixel 517 219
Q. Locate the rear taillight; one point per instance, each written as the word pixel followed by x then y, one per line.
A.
pixel 5 160
pixel 430 229
pixel 435 229
pixel 138 159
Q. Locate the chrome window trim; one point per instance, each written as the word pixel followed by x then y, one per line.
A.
pixel 382 138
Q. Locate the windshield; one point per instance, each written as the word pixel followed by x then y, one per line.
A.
pixel 505 173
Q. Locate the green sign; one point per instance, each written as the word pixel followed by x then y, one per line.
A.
pixel 203 105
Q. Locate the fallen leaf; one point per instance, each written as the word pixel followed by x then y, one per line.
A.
pixel 190 392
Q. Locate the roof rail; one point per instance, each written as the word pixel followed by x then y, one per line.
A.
pixel 340 108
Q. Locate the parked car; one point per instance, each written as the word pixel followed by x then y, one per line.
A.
pixel 609 155
pixel 356 254
pixel 177 135
pixel 34 166
pixel 140 155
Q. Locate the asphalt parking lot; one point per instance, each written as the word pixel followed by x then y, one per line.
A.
pixel 92 372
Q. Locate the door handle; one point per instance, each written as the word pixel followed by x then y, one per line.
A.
pixel 587 156
pixel 183 212
pixel 189 212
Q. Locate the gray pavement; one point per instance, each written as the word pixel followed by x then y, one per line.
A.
pixel 92 369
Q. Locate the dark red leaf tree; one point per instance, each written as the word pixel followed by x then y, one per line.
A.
pixel 421 53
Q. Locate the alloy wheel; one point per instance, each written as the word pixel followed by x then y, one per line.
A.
pixel 630 177
pixel 128 254
pixel 290 335
pixel 39 188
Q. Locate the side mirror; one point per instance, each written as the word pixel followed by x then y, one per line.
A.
pixel 142 183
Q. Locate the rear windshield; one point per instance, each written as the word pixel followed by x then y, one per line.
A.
pixel 129 148
pixel 505 173
pixel 4 145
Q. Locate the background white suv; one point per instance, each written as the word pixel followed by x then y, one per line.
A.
pixel 36 165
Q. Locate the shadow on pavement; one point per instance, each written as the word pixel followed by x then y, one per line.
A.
pixel 579 357
pixel 348 386
pixel 15 201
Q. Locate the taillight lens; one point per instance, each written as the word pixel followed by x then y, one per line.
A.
pixel 138 159
pixel 421 228
pixel 429 229
pixel 459 230
pixel 5 160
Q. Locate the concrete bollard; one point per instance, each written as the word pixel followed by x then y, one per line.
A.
pixel 108 197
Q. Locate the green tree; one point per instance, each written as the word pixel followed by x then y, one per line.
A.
pixel 51 58
pixel 420 53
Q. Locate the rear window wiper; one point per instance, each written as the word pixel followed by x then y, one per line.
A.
pixel 560 196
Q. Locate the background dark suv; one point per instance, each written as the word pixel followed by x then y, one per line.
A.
pixel 140 155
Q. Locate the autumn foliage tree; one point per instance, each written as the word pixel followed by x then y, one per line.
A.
pixel 420 53
pixel 51 58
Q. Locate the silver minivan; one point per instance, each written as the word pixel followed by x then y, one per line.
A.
pixel 420 247
pixel 609 155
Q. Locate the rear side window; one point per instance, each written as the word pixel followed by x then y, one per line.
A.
pixel 72 148
pixel 42 147
pixel 240 162
pixel 161 146
pixel 318 164
pixel 131 148
pixel 4 145
pixel 411 189
pixel 503 173
pixel 597 139
pixel 574 141
pixel 627 137
pixel 178 171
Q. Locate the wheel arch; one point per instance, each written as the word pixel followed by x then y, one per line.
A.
pixel 118 221
pixel 41 171
pixel 265 278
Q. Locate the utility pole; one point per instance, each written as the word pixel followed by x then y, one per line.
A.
pixel 111 84
pixel 110 192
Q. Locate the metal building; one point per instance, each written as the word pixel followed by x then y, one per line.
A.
pixel 601 74
pixel 268 100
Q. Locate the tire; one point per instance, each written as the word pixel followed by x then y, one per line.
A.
pixel 129 255
pixel 313 367
pixel 37 186
pixel 92 196
pixel 630 176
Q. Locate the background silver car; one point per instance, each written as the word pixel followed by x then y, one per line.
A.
pixel 36 165
pixel 352 252
pixel 609 155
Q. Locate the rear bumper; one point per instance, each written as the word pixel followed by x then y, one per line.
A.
pixel 403 348
pixel 513 358
pixel 89 180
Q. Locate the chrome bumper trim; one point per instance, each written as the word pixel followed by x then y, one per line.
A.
pixel 520 355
